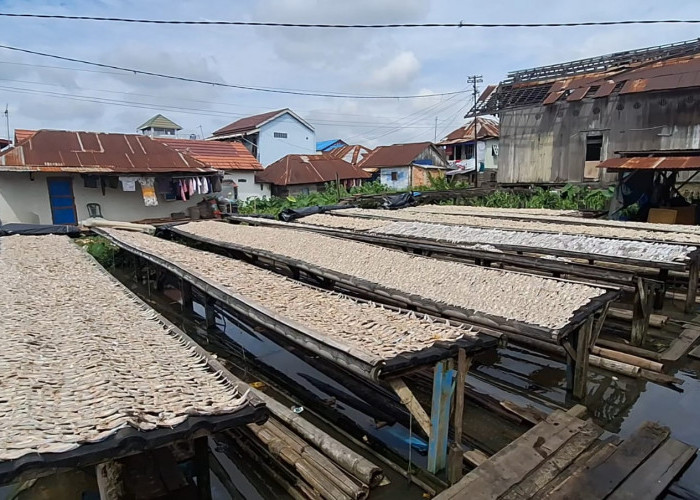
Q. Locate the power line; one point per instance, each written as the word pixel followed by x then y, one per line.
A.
pixel 266 24
pixel 227 85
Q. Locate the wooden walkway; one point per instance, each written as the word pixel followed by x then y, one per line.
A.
pixel 565 457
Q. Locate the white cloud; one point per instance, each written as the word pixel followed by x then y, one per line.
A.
pixel 397 73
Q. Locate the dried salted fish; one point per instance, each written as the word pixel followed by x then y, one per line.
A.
pixel 80 357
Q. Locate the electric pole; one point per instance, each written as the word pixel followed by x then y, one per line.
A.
pixel 475 80
pixel 7 122
pixel 435 140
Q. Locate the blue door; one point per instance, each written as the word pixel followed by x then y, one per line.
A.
pixel 62 202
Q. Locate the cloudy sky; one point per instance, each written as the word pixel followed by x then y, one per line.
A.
pixel 48 93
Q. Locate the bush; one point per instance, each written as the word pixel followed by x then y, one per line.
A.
pixel 101 249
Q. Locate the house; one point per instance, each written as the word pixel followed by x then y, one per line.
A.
pixel 159 126
pixel 402 166
pixel 270 136
pixel 325 146
pixel 459 145
pixel 304 174
pixel 61 177
pixel 232 158
pixel 351 153
pixel 557 123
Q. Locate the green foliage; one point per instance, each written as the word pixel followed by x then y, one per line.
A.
pixel 569 197
pixel 101 249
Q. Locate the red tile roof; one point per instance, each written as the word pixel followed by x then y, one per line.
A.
pixel 66 151
pixel 486 129
pixel 216 154
pixel 309 169
pixel 396 155
pixel 248 123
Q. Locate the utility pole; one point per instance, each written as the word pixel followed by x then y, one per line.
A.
pixel 475 80
pixel 435 140
pixel 7 122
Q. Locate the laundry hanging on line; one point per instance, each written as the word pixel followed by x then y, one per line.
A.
pixel 148 191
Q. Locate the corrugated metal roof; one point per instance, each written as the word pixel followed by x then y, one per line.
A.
pixel 23 134
pixel 396 155
pixel 216 154
pixel 250 123
pixel 486 128
pixel 49 150
pixel 330 144
pixel 160 121
pixel 309 169
pixel 652 163
pixel 351 153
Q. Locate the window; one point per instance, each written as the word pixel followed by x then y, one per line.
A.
pixel 280 135
pixel 594 146
pixel 394 176
pixel 242 180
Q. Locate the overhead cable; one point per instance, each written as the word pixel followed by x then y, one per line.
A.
pixel 460 24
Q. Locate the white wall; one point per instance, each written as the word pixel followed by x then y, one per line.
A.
pixel 403 175
pixel 300 140
pixel 24 200
pixel 247 187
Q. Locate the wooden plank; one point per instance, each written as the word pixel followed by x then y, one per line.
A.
pixel 510 465
pixel 475 457
pixel 656 473
pixel 463 364
pixel 600 480
pixel 201 466
pixel 528 413
pixel 410 402
pixel 551 467
pixel 583 341
pixel 695 353
pixel 692 287
pixel 681 345
pixel 596 454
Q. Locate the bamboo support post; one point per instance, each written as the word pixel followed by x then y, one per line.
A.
pixel 443 388
pixel 201 466
pixel 692 287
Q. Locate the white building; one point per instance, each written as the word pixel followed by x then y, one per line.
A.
pixel 62 177
pixel 271 136
pixel 405 166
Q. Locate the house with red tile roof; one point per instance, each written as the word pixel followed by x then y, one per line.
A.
pixel 62 177
pixel 304 174
pixel 270 136
pixel 233 159
pixel 402 166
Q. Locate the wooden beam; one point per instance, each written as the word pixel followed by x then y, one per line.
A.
pixel 583 341
pixel 201 466
pixel 209 312
pixel 692 287
pixel 475 457
pixel 412 404
pixel 109 480
pixel 641 310
pixel 463 365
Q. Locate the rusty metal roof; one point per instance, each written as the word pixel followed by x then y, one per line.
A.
pixel 396 155
pixel 486 128
pixel 251 123
pixel 216 154
pixel 23 134
pixel 670 67
pixel 309 169
pixel 652 163
pixel 351 153
pixel 66 151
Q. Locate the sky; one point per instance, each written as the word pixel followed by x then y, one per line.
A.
pixel 48 93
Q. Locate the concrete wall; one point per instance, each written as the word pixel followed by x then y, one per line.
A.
pixel 403 177
pixel 247 187
pixel 300 140
pixel 548 143
pixel 24 200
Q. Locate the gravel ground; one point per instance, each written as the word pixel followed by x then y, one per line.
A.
pixel 555 218
pixel 651 252
pixel 80 359
pixel 526 298
pixel 552 225
pixel 371 328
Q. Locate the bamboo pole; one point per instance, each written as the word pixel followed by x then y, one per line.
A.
pixel 627 358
